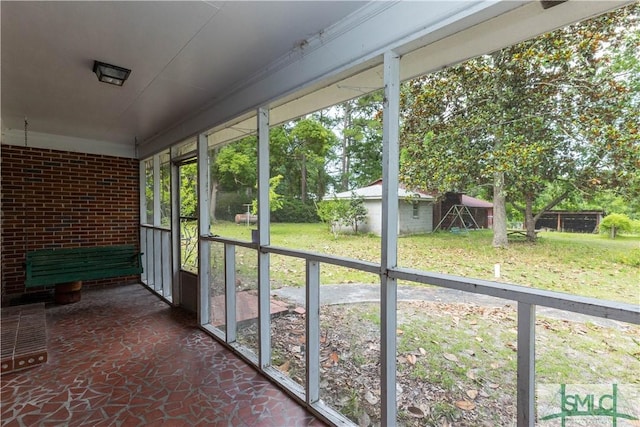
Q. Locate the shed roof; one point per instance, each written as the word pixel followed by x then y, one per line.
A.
pixel 374 192
pixel 472 202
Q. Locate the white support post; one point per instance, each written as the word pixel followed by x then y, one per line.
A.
pixel 175 231
pixel 526 364
pixel 143 192
pixel 389 256
pixel 264 286
pixel 263 176
pixel 143 220
pixel 231 331
pixel 204 258
pixel 165 256
pixel 157 264
pixel 156 251
pixel 150 258
pixel 313 331
pixel 156 191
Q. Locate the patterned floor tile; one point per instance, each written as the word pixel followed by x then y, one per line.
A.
pixel 122 357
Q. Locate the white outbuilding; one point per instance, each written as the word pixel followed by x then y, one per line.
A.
pixel 415 209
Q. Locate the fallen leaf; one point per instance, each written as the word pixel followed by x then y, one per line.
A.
pixel 416 412
pixel 471 375
pixel 466 405
pixel 364 419
pixel 399 331
pixel 370 398
pixel 479 339
pixel 334 357
pixel 495 365
pixel 285 367
pixel 450 357
pixel 492 385
pixel 472 393
pixel 422 351
pixel 411 359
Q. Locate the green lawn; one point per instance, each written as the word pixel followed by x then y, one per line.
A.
pixel 446 351
pixel 582 264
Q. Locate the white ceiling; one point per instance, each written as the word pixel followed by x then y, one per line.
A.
pixel 199 64
pixel 183 55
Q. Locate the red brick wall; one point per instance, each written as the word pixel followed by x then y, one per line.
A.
pixel 59 199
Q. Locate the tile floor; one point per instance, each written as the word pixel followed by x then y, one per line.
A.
pixel 122 357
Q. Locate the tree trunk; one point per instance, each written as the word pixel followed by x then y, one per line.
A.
pixel 213 199
pixel 499 212
pixel 529 220
pixel 303 178
pixel 345 147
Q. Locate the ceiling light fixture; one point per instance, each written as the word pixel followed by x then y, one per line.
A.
pixel 548 4
pixel 111 74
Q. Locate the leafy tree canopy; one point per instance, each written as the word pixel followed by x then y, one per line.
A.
pixel 558 109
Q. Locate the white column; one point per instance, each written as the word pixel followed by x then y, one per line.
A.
pixel 264 286
pixel 156 191
pixel 204 258
pixel 175 231
pixel 157 220
pixel 389 256
pixel 231 330
pixel 143 219
pixel 313 332
pixel 526 364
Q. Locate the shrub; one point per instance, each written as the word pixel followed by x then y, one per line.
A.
pixel 331 213
pixel 296 211
pixel 231 203
pixel 340 212
pixel 615 223
pixel 275 200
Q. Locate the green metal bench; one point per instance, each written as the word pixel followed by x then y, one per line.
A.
pixel 55 266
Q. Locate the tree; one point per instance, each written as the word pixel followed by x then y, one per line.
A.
pixel 332 213
pixel 235 165
pixel 233 169
pixel 299 153
pixel 355 158
pixel 553 109
pixel 615 223
pixel 275 199
pixel 188 190
pixel 361 148
pixel 342 212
